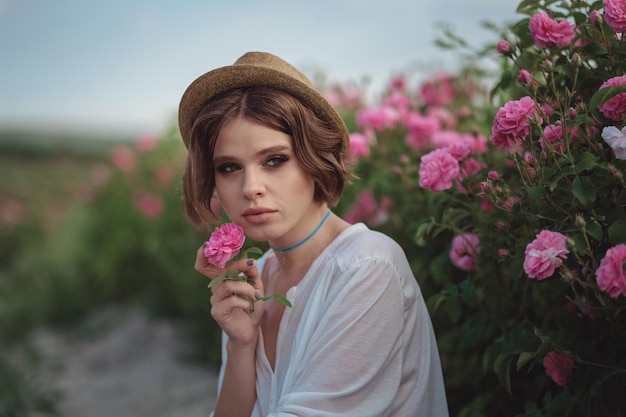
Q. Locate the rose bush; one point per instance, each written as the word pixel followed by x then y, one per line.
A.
pixel 518 240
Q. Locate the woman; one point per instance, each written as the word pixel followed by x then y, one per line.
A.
pixel 358 340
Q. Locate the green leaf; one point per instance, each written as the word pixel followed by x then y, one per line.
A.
pixel 502 368
pixel 584 191
pixel 453 307
pixel 536 193
pixel 423 231
pixel 580 246
pixel 468 293
pixel 435 301
pixel 586 162
pixel 524 358
pixel 232 273
pixel 277 297
pixel 252 251
pixel 594 230
pixel 219 279
pixel 617 232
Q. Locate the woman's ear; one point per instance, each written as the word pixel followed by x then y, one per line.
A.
pixel 215 204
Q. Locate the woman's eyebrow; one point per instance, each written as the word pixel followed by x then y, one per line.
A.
pixel 261 153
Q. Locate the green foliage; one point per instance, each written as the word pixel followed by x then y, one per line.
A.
pixel 495 324
pixel 79 233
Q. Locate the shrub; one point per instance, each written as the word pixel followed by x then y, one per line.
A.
pixel 512 211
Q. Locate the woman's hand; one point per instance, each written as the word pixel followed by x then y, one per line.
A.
pixel 234 303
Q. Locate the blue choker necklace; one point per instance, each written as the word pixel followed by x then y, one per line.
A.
pixel 303 241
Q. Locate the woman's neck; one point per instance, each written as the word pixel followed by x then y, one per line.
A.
pixel 297 261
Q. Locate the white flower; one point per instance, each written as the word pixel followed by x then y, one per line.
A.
pixel 616 140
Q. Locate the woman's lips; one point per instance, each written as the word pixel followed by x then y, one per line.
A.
pixel 257 216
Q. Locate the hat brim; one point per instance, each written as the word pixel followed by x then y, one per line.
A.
pixel 237 76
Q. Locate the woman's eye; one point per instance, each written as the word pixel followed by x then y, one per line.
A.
pixel 276 161
pixel 226 168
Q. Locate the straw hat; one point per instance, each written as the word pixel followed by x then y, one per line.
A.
pixel 256 69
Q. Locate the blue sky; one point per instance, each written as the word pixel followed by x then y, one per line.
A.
pixel 122 65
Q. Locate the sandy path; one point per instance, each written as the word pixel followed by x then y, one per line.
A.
pixel 123 364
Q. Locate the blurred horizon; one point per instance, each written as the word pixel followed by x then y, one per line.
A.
pixel 120 67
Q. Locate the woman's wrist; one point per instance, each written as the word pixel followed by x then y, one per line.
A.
pixel 238 347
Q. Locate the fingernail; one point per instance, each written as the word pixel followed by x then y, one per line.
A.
pixel 250 262
pixel 257 295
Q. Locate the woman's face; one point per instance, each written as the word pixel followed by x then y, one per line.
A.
pixel 260 184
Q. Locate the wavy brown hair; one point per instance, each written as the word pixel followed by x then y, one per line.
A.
pixel 317 147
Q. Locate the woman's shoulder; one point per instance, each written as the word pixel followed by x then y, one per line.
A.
pixel 358 243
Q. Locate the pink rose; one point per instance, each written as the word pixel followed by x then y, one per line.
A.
pixel 595 17
pixel 547 32
pixel 510 202
pixel 615 107
pixel 398 82
pixel 559 367
pixel 503 47
pixel 447 119
pixel 554 135
pixel 421 129
pixel 366 209
pixel 439 91
pixel 545 254
pixel 437 170
pixel 512 123
pixel 493 175
pixel 378 118
pixel 464 251
pixel 615 15
pixel 398 100
pixel 359 146
pixel 124 158
pixel 146 143
pixel 616 139
pixel 611 274
pixel 224 244
pixel 149 205
pixel 525 76
pixel 459 150
pixel 469 167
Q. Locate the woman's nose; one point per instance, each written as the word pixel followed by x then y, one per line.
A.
pixel 253 184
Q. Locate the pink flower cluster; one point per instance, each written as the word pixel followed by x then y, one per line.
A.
pixel 512 123
pixel 611 274
pixel 559 367
pixel 442 166
pixel 556 137
pixel 438 91
pixel 359 146
pixel 615 15
pixel 224 244
pixel 615 107
pixel 547 32
pixel 545 254
pixel 366 209
pixel 421 129
pixel 378 118
pixel 464 251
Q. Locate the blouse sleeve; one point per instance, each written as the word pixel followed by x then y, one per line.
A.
pixel 348 359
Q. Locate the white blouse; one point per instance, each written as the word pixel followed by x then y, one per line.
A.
pixel 358 340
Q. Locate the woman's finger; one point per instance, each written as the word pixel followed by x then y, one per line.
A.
pixel 203 266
